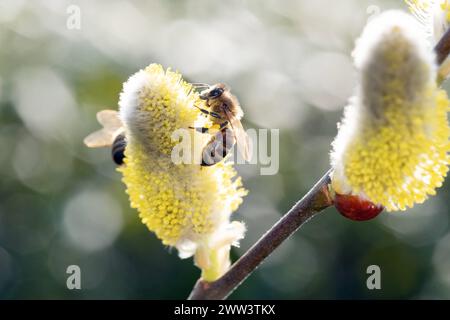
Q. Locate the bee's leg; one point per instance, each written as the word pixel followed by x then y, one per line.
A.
pixel 224 124
pixel 200 129
pixel 204 111
pixel 211 113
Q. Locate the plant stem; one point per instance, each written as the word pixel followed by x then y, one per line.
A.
pixel 316 200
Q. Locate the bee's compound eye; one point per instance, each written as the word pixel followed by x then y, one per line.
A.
pixel 355 208
pixel 217 92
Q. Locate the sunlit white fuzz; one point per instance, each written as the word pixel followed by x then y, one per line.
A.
pixel 392 144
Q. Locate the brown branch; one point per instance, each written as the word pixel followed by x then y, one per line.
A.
pixel 316 200
pixel 442 48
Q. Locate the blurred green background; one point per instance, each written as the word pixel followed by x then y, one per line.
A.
pixel 289 62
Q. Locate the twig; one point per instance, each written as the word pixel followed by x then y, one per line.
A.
pixel 316 200
pixel 442 48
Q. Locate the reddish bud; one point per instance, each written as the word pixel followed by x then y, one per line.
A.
pixel 355 208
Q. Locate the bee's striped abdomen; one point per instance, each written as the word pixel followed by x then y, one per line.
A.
pixel 118 149
pixel 218 147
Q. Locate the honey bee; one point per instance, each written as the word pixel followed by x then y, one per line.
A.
pixel 111 135
pixel 225 112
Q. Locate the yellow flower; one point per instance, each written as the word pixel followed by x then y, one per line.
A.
pixel 392 145
pixel 434 16
pixel 187 206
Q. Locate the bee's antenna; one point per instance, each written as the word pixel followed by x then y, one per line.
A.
pixel 200 85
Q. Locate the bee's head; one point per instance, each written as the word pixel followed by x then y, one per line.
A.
pixel 213 92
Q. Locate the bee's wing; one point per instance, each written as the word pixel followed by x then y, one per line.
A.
pixel 242 139
pixel 109 119
pixel 112 126
pixel 100 138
